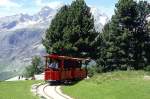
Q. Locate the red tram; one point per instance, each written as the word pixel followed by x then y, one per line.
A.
pixel 62 68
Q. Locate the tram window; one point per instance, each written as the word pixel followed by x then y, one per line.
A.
pixel 78 64
pixel 72 64
pixel 66 64
pixel 53 64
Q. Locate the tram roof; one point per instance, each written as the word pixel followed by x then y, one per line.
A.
pixel 55 56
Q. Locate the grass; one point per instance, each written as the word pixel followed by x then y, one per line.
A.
pixel 115 85
pixel 17 90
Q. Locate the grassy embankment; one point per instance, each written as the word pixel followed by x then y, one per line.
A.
pixel 17 90
pixel 115 85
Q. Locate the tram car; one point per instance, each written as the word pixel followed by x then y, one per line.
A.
pixel 64 68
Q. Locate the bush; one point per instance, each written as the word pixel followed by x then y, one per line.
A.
pixel 91 71
pixel 29 71
pixel 147 68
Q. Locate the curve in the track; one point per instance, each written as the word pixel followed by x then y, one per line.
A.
pixel 45 91
pixel 59 93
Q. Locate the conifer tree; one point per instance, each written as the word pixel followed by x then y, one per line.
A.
pixel 121 27
pixel 141 36
pixel 126 37
pixel 72 31
pixel 53 40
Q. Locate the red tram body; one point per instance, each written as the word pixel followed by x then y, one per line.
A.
pixel 68 68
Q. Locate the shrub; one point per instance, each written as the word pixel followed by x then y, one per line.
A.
pixel 147 68
pixel 29 71
pixel 91 71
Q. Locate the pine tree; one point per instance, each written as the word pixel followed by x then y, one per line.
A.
pixel 103 43
pixel 72 31
pixel 54 41
pixel 121 27
pixel 141 36
pixel 126 37
pixel 138 38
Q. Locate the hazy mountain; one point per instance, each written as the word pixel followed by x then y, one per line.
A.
pixel 100 18
pixel 21 35
pixel 41 19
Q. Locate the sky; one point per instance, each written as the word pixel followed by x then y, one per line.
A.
pixel 12 7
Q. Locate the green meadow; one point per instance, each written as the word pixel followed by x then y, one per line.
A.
pixel 17 90
pixel 113 85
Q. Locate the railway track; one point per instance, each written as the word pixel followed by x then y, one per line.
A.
pixel 51 92
pixel 46 92
pixel 64 96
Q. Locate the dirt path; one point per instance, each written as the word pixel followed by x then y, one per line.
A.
pixel 51 92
